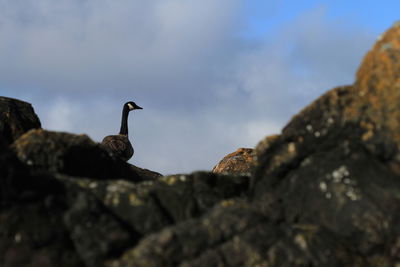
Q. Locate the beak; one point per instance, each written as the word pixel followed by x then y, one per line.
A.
pixel 137 107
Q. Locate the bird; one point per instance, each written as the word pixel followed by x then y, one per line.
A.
pixel 119 145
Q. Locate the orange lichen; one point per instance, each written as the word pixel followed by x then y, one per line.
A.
pixel 237 162
pixel 378 84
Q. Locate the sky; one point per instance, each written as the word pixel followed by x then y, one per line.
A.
pixel 211 75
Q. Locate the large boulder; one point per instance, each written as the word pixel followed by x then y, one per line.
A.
pixel 64 201
pixel 16 118
pixel 58 220
pixel 240 161
pixel 377 89
pixel 325 192
pixel 75 155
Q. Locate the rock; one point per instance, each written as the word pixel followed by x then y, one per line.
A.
pixel 48 217
pixel 53 218
pixel 240 161
pixel 32 232
pixel 177 245
pixel 47 221
pixel 146 174
pixel 377 89
pixel 16 118
pixel 151 205
pixel 59 225
pixel 16 181
pixel 325 192
pixel 74 155
pixel 86 222
pixel 96 232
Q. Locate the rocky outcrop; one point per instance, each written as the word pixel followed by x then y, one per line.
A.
pixel 324 192
pixel 32 232
pixel 59 220
pixel 16 118
pixel 75 155
pixel 377 109
pixel 240 161
pixel 65 201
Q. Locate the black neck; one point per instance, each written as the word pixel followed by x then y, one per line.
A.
pixel 124 121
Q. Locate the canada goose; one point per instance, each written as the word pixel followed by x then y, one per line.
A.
pixel 119 144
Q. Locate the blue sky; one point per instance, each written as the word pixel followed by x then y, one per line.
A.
pixel 211 75
pixel 375 16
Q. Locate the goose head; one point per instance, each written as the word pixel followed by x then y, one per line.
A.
pixel 132 106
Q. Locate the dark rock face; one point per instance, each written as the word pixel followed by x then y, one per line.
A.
pixel 30 214
pixel 325 192
pixel 149 206
pixel 56 209
pixel 16 118
pixel 75 155
pixel 240 161
pixel 72 221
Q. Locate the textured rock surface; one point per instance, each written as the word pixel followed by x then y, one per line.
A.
pixel 325 192
pixel 149 206
pixel 75 155
pixel 54 219
pixel 54 216
pixel 16 118
pixel 378 90
pixel 240 161
pixel 32 232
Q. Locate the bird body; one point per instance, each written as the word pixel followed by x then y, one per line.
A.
pixel 119 144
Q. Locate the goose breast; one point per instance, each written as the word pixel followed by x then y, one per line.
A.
pixel 119 145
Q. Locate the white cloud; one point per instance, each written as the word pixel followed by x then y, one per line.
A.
pixel 60 115
pixel 158 48
pixel 307 57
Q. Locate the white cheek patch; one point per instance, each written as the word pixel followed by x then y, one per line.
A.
pixel 130 106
